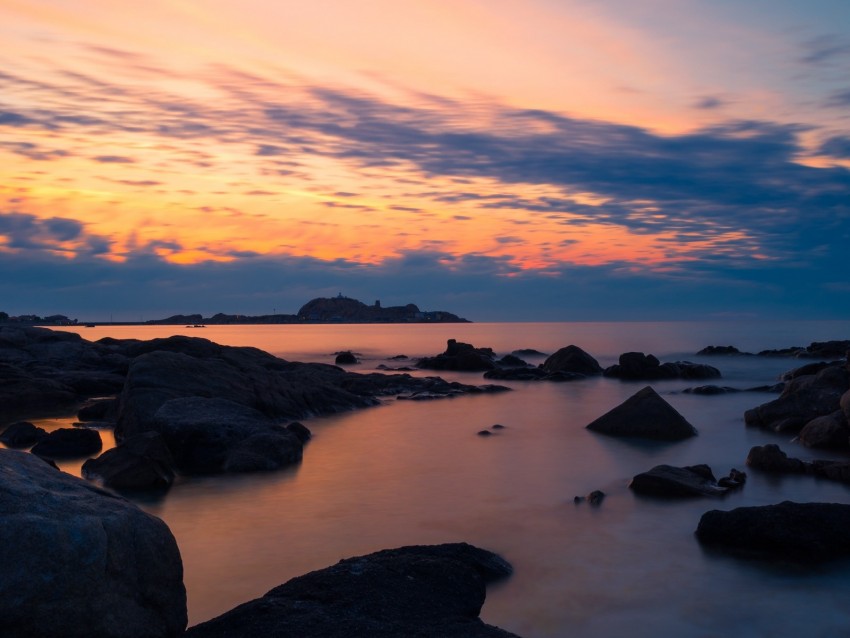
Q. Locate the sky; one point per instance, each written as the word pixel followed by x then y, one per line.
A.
pixel 506 160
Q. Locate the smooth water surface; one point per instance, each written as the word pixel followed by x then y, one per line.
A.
pixel 408 472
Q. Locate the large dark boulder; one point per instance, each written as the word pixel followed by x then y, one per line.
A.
pixel 80 562
pixel 694 480
pixel 22 434
pixel 644 415
pixel 460 356
pixel 574 360
pixel 804 398
pixel 199 368
pixel 217 435
pixel 141 462
pixel 66 443
pixel 827 432
pixel 786 531
pixel 637 366
pixel 423 591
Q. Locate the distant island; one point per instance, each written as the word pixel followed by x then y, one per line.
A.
pixel 339 309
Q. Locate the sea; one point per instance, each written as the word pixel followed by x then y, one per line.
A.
pixel 406 472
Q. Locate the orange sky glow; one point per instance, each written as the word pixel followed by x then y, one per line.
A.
pixel 182 127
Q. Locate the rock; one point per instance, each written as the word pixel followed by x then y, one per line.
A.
pixel 770 458
pixel 102 410
pixel 460 356
pixel 24 393
pixel 22 434
pixel 485 433
pixel 497 426
pixel 528 352
pixel 786 531
pixel 247 376
pixel 69 443
pixel 827 432
pixel 141 462
pixel 639 366
pixel 217 435
pixel 574 360
pixel 595 497
pixel 345 358
pixel 844 404
pixel 804 398
pixel 79 562
pixel 719 350
pixel 511 361
pixel 644 415
pixel 708 390
pixel 666 480
pixel 300 430
pixel 424 591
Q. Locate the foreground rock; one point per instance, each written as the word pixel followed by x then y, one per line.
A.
pixel 637 366
pixel 644 415
pixel 425 591
pixel 805 398
pixel 142 462
pixel 787 531
pixel 76 561
pixel 694 480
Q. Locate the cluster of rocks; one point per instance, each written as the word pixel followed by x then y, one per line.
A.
pixel 78 561
pixel 814 404
pixel 815 350
pixel 183 404
pixel 570 363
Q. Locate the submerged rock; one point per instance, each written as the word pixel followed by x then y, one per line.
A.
pixel 787 531
pixel 425 591
pixel 79 562
pixel 644 415
pixel 694 480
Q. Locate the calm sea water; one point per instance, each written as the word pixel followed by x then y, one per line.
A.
pixel 406 473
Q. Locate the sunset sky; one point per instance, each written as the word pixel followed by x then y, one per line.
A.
pixel 504 160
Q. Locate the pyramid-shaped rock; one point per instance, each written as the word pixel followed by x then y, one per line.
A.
pixel 644 415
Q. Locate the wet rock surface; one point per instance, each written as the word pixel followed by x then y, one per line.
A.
pixel 22 434
pixel 79 562
pixel 429 591
pixel 142 462
pixel 66 443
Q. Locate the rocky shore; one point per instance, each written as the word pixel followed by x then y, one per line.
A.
pixel 189 406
